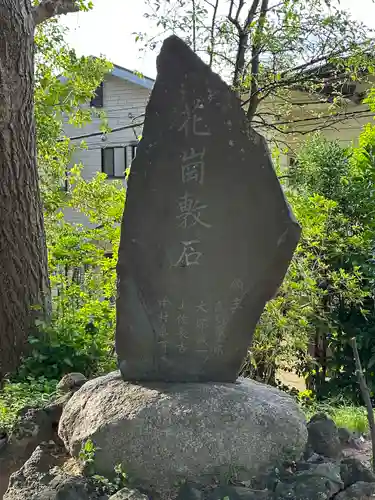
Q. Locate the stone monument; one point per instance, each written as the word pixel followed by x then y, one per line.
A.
pixel 207 235
pixel 206 240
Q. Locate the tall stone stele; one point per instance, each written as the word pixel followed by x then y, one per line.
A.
pixel 207 235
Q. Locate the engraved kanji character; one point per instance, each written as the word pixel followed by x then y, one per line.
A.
pixel 189 256
pixel 181 308
pixel 181 347
pixel 182 333
pixel 190 212
pixel 163 346
pixel 237 284
pixel 187 116
pixel 218 349
pixel 220 332
pixel 192 167
pixel 182 319
pixel 163 316
pixel 220 321
pixel 202 324
pixel 203 343
pixel 220 329
pixel 236 304
pixel 190 115
pixel 163 330
pixel 202 307
pixel 164 302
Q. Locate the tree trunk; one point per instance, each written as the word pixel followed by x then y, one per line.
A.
pixel 24 285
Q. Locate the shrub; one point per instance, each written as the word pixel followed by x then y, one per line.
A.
pixel 32 392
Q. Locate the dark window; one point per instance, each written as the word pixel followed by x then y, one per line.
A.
pixel 292 161
pixel 97 100
pixel 114 161
pixel 78 275
pixel 108 161
pixel 65 182
pixel 348 89
pixel 333 90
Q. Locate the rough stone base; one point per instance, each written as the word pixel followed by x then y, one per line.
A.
pixel 162 433
pixel 35 426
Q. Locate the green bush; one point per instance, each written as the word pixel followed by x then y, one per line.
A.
pixel 327 296
pixel 14 396
pixel 62 348
pixel 345 263
pixel 82 265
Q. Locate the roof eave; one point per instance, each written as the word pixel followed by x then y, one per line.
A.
pixel 129 76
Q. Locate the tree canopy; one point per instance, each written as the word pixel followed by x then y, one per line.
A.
pixel 272 51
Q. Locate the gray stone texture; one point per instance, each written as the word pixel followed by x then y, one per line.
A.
pixel 324 436
pixel 354 471
pixel 207 235
pixel 320 481
pixel 163 433
pixel 40 478
pixel 128 494
pixel 358 491
pixel 71 382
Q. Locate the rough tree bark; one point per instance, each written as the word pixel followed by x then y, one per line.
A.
pixel 243 37
pixel 255 61
pixel 24 284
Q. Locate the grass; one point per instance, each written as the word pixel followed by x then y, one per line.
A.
pixel 353 418
pixel 14 396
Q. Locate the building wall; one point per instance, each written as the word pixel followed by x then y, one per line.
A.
pixel 123 102
pixel 346 133
pixel 304 115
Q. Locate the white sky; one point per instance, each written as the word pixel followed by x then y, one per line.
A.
pixel 108 30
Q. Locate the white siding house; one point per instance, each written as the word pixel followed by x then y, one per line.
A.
pixel 123 97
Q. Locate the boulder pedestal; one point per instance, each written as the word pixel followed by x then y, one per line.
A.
pixel 164 432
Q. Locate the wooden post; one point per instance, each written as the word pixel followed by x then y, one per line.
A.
pixel 365 395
